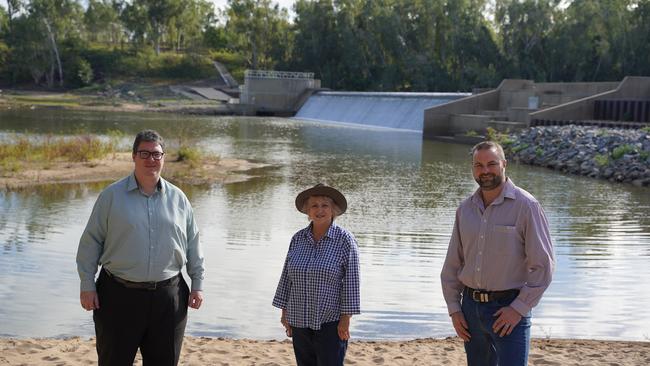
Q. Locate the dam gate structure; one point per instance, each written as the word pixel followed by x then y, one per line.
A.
pixel 516 104
pixel 276 92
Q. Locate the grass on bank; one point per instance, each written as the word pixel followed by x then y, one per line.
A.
pixel 19 151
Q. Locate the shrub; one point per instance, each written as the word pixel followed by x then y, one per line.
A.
pixel 644 155
pixel 518 148
pixel 188 154
pixel 619 151
pixel 192 66
pixel 84 72
pixel 46 150
pixel 601 159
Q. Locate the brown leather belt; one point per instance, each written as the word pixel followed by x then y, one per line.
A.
pixel 487 296
pixel 149 285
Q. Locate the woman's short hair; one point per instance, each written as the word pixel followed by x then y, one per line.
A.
pixel 336 210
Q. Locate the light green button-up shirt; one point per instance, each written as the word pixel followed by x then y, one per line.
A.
pixel 140 238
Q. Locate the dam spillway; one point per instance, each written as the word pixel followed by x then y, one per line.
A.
pixel 403 111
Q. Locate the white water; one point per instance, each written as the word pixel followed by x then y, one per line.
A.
pixel 404 111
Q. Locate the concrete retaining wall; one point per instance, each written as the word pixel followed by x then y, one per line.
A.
pixel 437 120
pixel 276 94
pixel 632 87
pixel 516 102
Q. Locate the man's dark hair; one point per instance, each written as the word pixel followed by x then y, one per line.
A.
pixel 487 145
pixel 148 136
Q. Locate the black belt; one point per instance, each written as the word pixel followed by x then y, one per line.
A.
pixel 487 296
pixel 149 285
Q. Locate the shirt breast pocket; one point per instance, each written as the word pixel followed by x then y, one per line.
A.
pixel 506 239
pixel 332 264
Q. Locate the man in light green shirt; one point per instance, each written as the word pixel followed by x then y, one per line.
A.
pixel 142 232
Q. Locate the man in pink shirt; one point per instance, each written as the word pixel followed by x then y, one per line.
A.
pixel 499 263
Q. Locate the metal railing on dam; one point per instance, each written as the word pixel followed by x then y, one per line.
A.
pixel 404 111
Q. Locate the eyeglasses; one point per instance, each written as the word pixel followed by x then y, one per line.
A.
pixel 145 154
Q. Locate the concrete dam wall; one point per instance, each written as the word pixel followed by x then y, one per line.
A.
pixel 404 111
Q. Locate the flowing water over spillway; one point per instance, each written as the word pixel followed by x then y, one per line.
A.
pixel 403 111
pixel 402 193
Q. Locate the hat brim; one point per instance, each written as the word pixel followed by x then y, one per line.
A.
pixel 321 190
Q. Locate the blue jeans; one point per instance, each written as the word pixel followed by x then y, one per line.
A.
pixel 487 348
pixel 319 347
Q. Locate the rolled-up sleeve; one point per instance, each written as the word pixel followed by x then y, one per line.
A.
pixel 350 293
pixel 195 259
pixel 540 260
pixel 452 287
pixel 283 290
pixel 91 244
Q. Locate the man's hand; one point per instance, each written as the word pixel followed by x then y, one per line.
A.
pixel 507 319
pixel 460 325
pixel 196 299
pixel 89 300
pixel 344 327
pixel 285 323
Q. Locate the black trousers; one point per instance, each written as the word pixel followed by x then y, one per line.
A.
pixel 128 319
pixel 319 347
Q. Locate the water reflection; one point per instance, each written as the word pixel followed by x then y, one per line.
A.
pixel 403 193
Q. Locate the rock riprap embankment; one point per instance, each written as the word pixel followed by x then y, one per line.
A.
pixel 617 155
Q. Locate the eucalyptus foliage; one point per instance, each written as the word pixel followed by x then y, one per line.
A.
pixel 390 45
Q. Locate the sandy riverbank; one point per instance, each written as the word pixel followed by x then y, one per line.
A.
pixel 210 171
pixel 125 96
pixel 433 352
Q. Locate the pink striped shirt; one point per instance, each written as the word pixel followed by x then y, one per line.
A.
pixel 504 246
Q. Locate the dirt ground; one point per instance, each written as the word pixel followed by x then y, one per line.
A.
pixel 208 171
pixel 125 96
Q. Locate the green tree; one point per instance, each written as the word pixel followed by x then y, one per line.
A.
pixel 638 53
pixel 188 26
pixel 149 20
pixel 524 28
pixel 29 55
pixel 4 21
pixel 102 21
pixel 35 38
pixel 315 40
pixel 61 19
pixel 589 41
pixel 215 37
pixel 135 18
pixel 13 9
pixel 259 30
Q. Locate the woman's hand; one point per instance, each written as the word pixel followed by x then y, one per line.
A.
pixel 344 327
pixel 285 323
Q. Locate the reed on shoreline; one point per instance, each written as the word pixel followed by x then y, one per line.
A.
pixel 17 151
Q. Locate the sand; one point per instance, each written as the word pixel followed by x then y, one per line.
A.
pixel 113 167
pixel 219 351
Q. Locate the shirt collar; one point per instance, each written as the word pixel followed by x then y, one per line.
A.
pixel 330 233
pixel 132 184
pixel 508 191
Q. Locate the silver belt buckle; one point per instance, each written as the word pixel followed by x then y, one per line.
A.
pixel 479 296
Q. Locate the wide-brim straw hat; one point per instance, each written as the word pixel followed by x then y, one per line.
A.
pixel 321 189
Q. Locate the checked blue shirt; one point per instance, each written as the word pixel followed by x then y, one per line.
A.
pixel 320 281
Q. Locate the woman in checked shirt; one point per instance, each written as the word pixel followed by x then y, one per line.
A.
pixel 319 287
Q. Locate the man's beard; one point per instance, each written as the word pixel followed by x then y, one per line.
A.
pixel 488 182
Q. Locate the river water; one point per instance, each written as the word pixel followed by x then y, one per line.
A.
pixel 402 195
